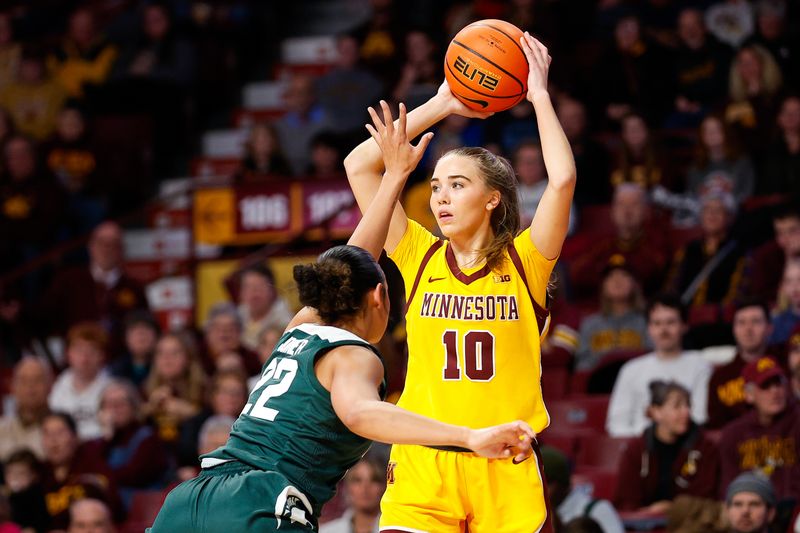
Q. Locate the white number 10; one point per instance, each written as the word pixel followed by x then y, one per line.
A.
pixel 284 371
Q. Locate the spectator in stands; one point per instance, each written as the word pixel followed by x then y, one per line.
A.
pixel 620 323
pixel 30 387
pixel 750 504
pixel 771 257
pixel 672 456
pixel 84 58
pixel 591 158
pixel 793 361
pixel 639 159
pixel 701 70
pixel 773 33
pixel 71 158
pixel 100 291
pixel 755 82
pixel 227 396
pixel 726 396
pixel 31 204
pixel 532 179
pixel 224 327
pixel 766 438
pixel 666 324
pixel 364 485
pixel 141 334
pixel 78 389
pixel 7 130
pixel 263 156
pixel 420 76
pixel 175 387
pixel 709 270
pixel 213 435
pixel 572 502
pixel 10 51
pixel 260 305
pixel 347 90
pixel 22 473
pixel 780 172
pixel 380 39
pixel 304 119
pixel 134 453
pixel 89 515
pixel 72 471
pixel 34 99
pixel 326 157
pixel 631 74
pixel 268 338
pixel 642 250
pixel 719 164
pixel 730 21
pixel 789 300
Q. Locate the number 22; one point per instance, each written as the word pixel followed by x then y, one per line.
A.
pixel 282 369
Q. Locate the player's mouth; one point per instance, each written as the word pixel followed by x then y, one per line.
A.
pixel 444 216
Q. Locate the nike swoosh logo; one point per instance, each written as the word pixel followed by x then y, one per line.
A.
pixel 483 103
pixel 432 279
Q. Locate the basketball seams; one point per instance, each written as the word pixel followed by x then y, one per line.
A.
pixel 510 38
pixel 465 47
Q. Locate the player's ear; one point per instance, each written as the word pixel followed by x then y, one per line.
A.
pixel 377 295
pixel 494 200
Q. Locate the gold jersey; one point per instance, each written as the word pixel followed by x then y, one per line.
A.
pixel 473 335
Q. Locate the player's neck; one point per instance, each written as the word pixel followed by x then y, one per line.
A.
pixel 467 250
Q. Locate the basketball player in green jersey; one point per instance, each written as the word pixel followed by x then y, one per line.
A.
pixel 317 406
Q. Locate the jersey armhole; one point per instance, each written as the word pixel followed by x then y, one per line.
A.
pixel 315 382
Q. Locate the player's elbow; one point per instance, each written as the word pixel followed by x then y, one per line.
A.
pixel 353 163
pixel 564 181
pixel 355 419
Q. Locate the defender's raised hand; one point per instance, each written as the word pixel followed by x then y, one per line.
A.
pixel 506 440
pixel 400 157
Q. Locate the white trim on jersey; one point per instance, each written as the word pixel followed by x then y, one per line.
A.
pixel 209 462
pixel 329 333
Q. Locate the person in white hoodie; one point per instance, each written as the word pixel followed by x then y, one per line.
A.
pixel 78 389
pixel 666 324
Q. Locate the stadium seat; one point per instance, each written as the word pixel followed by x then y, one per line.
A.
pixel 601 481
pixel 563 442
pixel 579 414
pixel 144 508
pixel 600 451
pixel 555 383
pixel 601 379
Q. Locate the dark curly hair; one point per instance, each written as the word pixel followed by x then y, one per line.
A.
pixel 336 284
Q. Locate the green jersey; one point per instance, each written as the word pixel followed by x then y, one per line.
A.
pixel 289 425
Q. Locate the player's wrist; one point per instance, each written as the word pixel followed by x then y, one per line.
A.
pixel 539 96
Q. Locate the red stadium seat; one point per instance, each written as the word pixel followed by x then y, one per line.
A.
pixel 579 414
pixel 601 379
pixel 555 383
pixel 144 508
pixel 563 442
pixel 601 481
pixel 600 451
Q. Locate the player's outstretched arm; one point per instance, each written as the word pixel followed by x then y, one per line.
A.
pixel 355 374
pixel 364 165
pixel 400 158
pixel 551 222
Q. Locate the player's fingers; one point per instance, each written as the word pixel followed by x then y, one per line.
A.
pixel 535 50
pixel 522 456
pixel 375 135
pixel 376 120
pixel 401 121
pixel 526 48
pixel 388 120
pixel 422 145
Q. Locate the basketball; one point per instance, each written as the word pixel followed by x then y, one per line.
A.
pixel 485 66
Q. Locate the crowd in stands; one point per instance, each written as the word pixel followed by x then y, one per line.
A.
pixel 684 119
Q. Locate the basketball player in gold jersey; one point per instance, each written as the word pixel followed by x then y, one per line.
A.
pixel 476 310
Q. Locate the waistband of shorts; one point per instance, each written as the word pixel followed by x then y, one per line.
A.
pixel 458 449
pixel 228 467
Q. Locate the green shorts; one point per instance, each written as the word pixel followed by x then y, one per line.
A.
pixel 233 497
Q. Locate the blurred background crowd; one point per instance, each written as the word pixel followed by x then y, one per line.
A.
pixel 672 364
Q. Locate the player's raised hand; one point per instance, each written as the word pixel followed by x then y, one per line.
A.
pixel 400 157
pixel 507 440
pixel 538 64
pixel 454 106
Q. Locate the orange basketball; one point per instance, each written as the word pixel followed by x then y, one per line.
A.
pixel 485 66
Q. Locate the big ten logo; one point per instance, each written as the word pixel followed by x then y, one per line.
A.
pixel 486 79
pixel 264 212
pixel 324 204
pixel 504 278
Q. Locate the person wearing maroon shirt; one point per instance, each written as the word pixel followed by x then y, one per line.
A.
pixel 99 292
pixel 642 251
pixel 767 438
pixel 793 361
pixel 766 261
pixel 137 458
pixel 73 471
pixel 751 329
pixel 672 457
